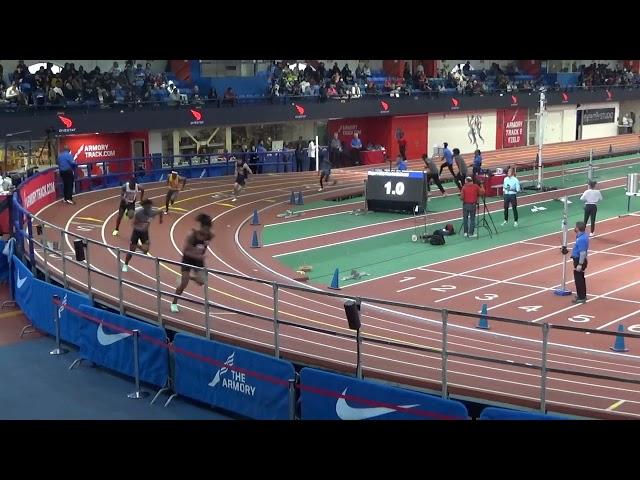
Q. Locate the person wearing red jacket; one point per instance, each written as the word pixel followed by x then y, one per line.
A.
pixel 470 194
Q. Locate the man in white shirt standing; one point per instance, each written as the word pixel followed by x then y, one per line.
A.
pixel 511 188
pixel 591 197
pixel 312 155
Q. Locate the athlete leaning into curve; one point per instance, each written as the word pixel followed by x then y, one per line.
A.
pixel 173 181
pixel 141 221
pixel 195 248
pixel 128 201
pixel 242 172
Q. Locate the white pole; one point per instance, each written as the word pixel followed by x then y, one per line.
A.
pixel 590 169
pixel 317 155
pixel 541 116
pixel 562 291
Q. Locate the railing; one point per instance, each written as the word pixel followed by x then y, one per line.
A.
pixel 274 329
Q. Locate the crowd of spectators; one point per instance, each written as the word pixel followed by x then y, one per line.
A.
pixel 129 83
pixel 132 84
pixel 601 74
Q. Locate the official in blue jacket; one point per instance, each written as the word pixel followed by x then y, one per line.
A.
pixel 66 166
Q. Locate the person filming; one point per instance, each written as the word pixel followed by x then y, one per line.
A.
pixel 470 196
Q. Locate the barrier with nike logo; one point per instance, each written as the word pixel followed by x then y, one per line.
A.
pixel 106 339
pixel 31 295
pixel 238 380
pixel 257 386
pixel 29 240
pixel 329 396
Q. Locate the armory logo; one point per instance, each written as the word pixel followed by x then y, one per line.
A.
pixel 63 304
pixel 384 107
pixel 237 382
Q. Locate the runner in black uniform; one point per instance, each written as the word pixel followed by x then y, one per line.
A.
pixel 242 172
pixel 140 234
pixel 325 171
pixel 193 253
pixel 128 201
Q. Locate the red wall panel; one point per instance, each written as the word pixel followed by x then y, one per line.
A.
pixel 370 129
pixel 415 133
pixel 96 148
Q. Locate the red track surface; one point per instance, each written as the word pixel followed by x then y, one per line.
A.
pixel 526 282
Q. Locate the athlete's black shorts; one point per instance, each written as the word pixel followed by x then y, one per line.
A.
pixel 240 180
pixel 126 206
pixel 138 235
pixel 191 261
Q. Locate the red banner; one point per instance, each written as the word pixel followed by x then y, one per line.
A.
pixel 515 128
pixel 94 148
pixel 5 206
pixel 39 191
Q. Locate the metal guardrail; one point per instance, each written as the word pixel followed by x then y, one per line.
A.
pixel 28 243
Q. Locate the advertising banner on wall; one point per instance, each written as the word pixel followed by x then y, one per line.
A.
pixel 95 148
pixel 515 128
pixel 39 192
pixel 598 115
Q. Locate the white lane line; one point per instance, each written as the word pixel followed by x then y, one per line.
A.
pixel 588 275
pixel 595 298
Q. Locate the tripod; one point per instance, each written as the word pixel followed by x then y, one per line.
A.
pixel 482 219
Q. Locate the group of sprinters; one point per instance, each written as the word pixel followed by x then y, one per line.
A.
pixel 196 242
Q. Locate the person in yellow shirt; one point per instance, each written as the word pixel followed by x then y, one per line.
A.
pixel 174 186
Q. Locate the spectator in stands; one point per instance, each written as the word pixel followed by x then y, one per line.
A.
pixel 406 74
pixel 372 88
pixel 360 73
pixel 321 71
pixel 115 69
pixel 13 93
pixel 197 100
pixel 68 91
pixel 367 71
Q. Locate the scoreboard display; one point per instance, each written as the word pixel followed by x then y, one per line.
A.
pixel 396 191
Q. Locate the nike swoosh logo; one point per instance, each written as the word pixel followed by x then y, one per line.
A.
pixel 347 412
pixel 106 339
pixel 20 281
